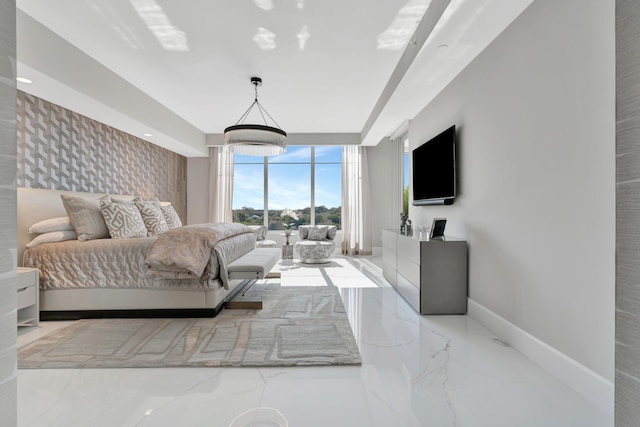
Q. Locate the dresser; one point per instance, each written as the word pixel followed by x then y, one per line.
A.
pixel 431 275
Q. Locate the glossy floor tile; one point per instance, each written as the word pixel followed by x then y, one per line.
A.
pixel 417 371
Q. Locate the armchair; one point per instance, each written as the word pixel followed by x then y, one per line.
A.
pixel 261 237
pixel 316 244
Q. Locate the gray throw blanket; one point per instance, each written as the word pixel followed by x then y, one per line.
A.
pixel 185 252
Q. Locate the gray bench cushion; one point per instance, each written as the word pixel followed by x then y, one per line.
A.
pixel 266 244
pixel 255 264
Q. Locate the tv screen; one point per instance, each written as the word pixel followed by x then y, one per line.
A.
pixel 434 170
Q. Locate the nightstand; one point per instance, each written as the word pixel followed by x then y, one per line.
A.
pixel 28 289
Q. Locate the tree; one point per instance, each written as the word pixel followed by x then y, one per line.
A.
pixel 405 200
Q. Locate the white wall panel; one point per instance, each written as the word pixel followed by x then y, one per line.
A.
pixel 8 381
pixel 536 124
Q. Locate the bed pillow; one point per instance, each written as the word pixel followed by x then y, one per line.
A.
pixel 86 217
pixel 53 236
pixel 122 201
pixel 61 223
pixel 317 233
pixel 123 221
pixel 152 217
pixel 171 216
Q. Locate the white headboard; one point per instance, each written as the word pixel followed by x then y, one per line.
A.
pixel 34 204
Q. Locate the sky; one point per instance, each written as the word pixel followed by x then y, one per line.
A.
pixel 289 179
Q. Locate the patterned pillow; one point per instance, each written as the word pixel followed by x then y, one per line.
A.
pixel 152 217
pixel 122 201
pixel 123 221
pixel 317 233
pixel 171 216
pixel 86 217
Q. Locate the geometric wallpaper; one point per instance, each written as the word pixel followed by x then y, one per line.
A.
pixel 59 149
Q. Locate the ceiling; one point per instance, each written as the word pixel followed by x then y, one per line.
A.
pixel 180 70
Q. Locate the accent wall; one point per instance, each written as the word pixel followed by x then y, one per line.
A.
pixel 59 149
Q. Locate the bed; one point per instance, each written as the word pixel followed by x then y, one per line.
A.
pixel 107 277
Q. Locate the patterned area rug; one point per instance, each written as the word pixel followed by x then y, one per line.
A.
pixel 297 325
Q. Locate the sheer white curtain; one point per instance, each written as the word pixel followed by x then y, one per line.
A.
pixel 356 202
pixel 220 184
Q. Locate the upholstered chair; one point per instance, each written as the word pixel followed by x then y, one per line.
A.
pixel 316 244
pixel 261 237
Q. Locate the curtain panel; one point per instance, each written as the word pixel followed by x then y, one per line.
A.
pixel 356 202
pixel 220 184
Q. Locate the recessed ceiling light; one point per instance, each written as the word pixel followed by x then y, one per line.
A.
pixel 24 80
pixel 443 46
pixel 147 134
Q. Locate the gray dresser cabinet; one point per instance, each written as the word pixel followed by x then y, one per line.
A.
pixel 430 275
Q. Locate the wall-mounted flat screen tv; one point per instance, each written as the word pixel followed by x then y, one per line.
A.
pixel 434 170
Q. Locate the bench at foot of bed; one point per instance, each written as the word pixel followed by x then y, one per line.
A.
pixel 254 265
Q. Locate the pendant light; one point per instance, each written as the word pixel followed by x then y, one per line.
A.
pixel 255 139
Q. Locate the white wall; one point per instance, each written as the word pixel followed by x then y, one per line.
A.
pixel 385 185
pixel 536 120
pixel 197 190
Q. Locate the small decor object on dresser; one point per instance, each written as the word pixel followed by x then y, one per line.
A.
pixel 437 229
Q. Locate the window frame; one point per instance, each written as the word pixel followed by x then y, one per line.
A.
pixel 312 201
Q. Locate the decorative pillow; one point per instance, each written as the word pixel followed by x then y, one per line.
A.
pixel 331 232
pixel 122 201
pixel 317 233
pixel 152 217
pixel 53 236
pixel 86 217
pixel 260 231
pixel 171 216
pixel 61 223
pixel 123 221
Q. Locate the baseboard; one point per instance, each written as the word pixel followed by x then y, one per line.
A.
pixel 590 385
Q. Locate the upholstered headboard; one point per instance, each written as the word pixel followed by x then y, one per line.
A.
pixel 34 204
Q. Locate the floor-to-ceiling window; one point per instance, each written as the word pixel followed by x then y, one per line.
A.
pixel 306 179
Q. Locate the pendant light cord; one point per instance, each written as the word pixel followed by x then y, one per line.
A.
pixel 262 110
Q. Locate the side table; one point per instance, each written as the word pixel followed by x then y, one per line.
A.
pixel 28 288
pixel 287 251
pixel 287 248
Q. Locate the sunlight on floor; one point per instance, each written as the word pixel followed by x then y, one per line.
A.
pixel 341 272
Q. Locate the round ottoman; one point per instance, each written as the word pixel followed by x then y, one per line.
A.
pixel 315 251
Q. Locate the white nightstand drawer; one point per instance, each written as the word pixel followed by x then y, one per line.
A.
pixel 27 293
pixel 26 297
pixel 26 277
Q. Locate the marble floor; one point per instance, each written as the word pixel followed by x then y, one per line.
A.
pixel 417 370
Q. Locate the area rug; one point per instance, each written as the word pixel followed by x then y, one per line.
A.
pixel 297 326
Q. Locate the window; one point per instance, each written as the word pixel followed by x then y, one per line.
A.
pixel 328 185
pixel 306 179
pixel 248 189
